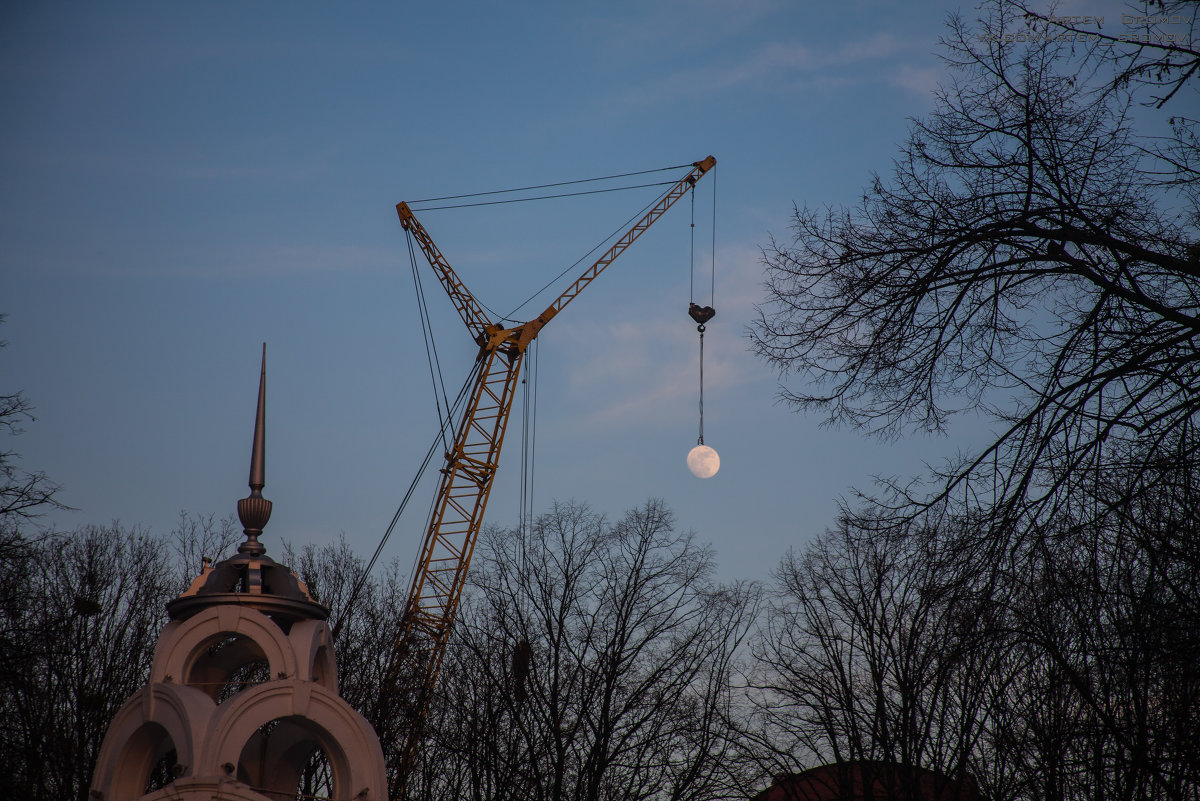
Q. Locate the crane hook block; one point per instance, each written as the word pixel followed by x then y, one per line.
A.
pixel 701 314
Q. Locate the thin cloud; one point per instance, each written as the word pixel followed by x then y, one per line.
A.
pixel 649 371
pixel 777 66
pixel 919 81
pixel 651 374
pixel 689 21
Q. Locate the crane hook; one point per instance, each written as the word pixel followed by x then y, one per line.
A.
pixel 701 314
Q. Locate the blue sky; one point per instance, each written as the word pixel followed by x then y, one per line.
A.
pixel 183 181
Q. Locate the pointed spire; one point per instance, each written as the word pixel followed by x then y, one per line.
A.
pixel 258 455
pixel 255 510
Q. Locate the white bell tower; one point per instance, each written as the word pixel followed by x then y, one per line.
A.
pixel 242 702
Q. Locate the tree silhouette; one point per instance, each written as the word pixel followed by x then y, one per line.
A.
pixel 1034 257
pixel 592 661
pixel 1031 258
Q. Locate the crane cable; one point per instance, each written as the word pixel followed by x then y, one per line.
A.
pixel 508 318
pixel 702 314
pixel 529 413
pixel 433 445
pixel 528 438
pixel 700 439
pixel 545 186
pixel 622 227
pixel 445 422
pixel 542 197
pixel 430 345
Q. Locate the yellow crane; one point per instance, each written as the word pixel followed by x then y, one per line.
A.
pixel 470 465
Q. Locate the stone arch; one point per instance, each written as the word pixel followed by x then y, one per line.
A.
pixel 324 668
pixel 182 651
pixel 154 720
pixel 228 665
pixel 141 752
pixel 312 643
pixel 310 711
pixel 273 760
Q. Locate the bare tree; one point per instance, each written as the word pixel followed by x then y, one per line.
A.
pixel 1034 258
pixel 81 615
pixel 1152 44
pixel 87 633
pixel 24 494
pixel 1067 669
pixel 1031 257
pixel 592 661
pixel 1107 614
pixel 197 537
pixel 875 651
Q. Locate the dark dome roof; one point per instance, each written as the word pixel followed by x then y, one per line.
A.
pixel 257 581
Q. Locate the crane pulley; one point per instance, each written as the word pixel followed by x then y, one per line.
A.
pixel 471 464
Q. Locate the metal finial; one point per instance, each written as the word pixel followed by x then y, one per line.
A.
pixel 254 511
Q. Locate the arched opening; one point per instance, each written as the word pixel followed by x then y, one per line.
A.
pixel 316 779
pixel 148 762
pixel 292 759
pixel 321 668
pixel 166 770
pixel 227 665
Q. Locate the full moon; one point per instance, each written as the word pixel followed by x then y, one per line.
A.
pixel 703 461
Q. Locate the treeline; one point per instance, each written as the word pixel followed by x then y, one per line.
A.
pixel 598 659
pixel 80 613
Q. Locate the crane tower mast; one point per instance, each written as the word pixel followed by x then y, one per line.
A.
pixel 470 466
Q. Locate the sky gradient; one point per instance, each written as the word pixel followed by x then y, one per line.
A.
pixel 184 181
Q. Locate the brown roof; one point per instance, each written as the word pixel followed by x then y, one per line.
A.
pixel 867 780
